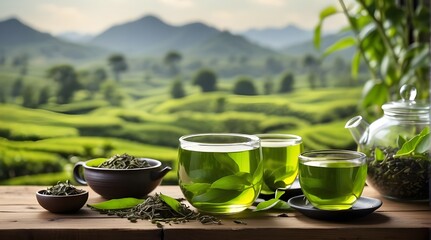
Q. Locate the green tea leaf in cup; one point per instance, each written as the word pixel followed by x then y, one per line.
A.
pixel 114 204
pixel 239 181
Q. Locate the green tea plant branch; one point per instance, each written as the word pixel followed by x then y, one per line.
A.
pixel 392 39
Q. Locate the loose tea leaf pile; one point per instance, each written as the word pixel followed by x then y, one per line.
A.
pixel 62 189
pixel 158 209
pixel 124 161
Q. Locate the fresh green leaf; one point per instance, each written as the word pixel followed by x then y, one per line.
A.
pixel 424 144
pixel 267 204
pixel 120 203
pixel 274 203
pixel 340 45
pixel 171 202
pixel 278 194
pixel 328 11
pixel 374 93
pixel 356 62
pixel 418 144
pixel 400 141
pixel 317 35
pixel 379 155
pixel 408 147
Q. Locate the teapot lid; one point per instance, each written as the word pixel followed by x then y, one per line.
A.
pixel 407 104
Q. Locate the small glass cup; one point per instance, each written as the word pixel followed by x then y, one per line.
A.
pixel 280 157
pixel 332 179
pixel 220 173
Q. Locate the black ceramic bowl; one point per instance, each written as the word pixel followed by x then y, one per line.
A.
pixel 120 183
pixel 63 203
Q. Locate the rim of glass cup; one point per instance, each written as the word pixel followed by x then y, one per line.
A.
pixel 248 139
pixel 336 155
pixel 295 139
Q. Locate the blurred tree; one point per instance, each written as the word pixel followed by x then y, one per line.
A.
pixel 17 88
pixel 244 86
pixel 44 95
pixel 3 95
pixel 287 82
pixel 21 62
pixel 2 59
pixel 111 93
pixel 206 79
pixel 273 66
pixel 268 86
pixel 220 104
pixel 67 79
pixel 95 80
pixel 118 65
pixel 172 59
pixel 29 98
pixel 311 63
pixel 177 90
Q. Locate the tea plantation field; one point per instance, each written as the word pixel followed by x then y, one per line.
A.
pixel 40 146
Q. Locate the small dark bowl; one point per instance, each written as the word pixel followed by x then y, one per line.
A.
pixel 120 183
pixel 62 204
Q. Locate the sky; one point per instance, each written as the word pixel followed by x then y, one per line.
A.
pixel 95 16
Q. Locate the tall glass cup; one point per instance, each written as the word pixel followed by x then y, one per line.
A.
pixel 220 173
pixel 280 157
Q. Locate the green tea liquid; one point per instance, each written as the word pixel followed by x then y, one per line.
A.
pixel 280 164
pixel 220 179
pixel 332 185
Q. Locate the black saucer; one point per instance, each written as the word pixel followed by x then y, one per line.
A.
pixel 362 207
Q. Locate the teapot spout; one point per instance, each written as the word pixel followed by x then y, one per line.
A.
pixel 358 127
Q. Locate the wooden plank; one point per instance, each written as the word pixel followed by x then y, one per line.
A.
pixel 21 217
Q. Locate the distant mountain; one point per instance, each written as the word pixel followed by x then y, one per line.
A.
pixel 228 44
pixel 18 38
pixel 327 40
pixel 278 38
pixel 150 35
pixel 75 37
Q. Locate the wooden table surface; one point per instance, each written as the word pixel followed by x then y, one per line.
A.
pixel 21 217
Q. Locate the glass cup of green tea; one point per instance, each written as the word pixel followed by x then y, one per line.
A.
pixel 220 173
pixel 332 179
pixel 280 160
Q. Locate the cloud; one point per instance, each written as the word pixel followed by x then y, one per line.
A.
pixel 271 3
pixel 61 11
pixel 178 3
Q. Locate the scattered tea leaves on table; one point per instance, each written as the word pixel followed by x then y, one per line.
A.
pixel 160 209
pixel 114 204
pixel 124 161
pixel 63 189
pixel 239 222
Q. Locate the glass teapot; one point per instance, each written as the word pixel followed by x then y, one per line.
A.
pixel 397 146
